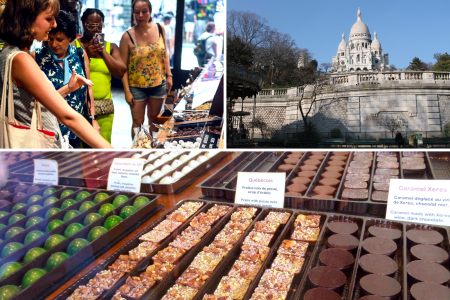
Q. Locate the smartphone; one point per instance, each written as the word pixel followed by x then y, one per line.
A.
pixel 99 38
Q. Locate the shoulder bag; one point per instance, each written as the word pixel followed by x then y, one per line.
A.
pixel 13 134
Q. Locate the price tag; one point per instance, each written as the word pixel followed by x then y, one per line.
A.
pixel 210 140
pixel 45 171
pixel 419 201
pixel 125 175
pixel 265 189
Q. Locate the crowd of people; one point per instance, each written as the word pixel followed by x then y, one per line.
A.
pixel 71 77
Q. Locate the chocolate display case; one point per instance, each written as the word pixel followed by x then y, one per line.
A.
pixel 91 248
pixel 350 289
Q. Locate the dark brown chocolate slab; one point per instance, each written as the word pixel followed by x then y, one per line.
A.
pixel 429 253
pixel 321 294
pixel 378 245
pixel 343 241
pixel 378 264
pixel 380 285
pixel 429 291
pixel 327 277
pixel 385 231
pixel 424 236
pixel 427 271
pixel 336 258
pixel 342 226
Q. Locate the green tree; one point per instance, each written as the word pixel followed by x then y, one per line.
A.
pixel 417 65
pixel 442 62
pixel 239 52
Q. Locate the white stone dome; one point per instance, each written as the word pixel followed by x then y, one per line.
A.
pixel 359 29
pixel 343 44
pixel 376 43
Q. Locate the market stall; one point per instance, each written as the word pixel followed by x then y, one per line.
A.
pixel 194 242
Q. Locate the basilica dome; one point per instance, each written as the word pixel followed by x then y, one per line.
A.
pixel 343 44
pixel 376 43
pixel 359 29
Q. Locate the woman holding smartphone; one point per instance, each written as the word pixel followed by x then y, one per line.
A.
pixel 148 77
pixel 104 61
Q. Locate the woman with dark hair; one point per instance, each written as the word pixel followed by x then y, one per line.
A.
pixel 21 23
pixel 104 61
pixel 148 75
pixel 58 60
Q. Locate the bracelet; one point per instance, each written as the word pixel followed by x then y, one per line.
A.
pixel 169 75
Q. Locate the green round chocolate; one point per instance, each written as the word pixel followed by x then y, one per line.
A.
pixel 90 218
pixel 34 198
pixel 53 224
pixel 55 259
pixel 32 254
pixel 10 248
pixel 49 191
pixel 53 240
pixel 50 201
pixel 33 221
pixel 8 291
pixel 51 212
pixel 15 218
pixel 81 195
pixel 12 232
pixel 31 276
pixel 76 245
pixel 3 213
pixel 127 211
pixel 85 206
pixel 67 203
pixel 140 202
pixel 100 197
pixel 18 206
pixel 70 215
pixel 106 208
pixel 66 193
pixel 2 226
pixel 32 235
pixel 96 232
pixel 119 200
pixel 72 229
pixel 112 221
pixel 33 208
pixel 9 268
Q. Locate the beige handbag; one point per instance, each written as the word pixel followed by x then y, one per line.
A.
pixel 104 107
pixel 13 134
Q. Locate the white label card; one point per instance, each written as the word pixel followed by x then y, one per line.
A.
pixel 45 171
pixel 264 189
pixel 125 175
pixel 419 201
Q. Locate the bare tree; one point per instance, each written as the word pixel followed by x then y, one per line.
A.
pixel 326 66
pixel 250 27
pixel 392 124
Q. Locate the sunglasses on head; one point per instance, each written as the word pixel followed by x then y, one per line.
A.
pixel 93 26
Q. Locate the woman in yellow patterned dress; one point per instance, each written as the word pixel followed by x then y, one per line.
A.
pixel 148 76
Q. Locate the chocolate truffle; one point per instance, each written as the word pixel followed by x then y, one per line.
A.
pixel 424 236
pixel 327 277
pixel 297 188
pixel 286 168
pixel 335 175
pixel 309 174
pixel 377 245
pixel 429 291
pixel 339 163
pixel 324 190
pixel 342 226
pixel 321 294
pixel 427 271
pixel 380 285
pixel 33 189
pixel 330 181
pixel 429 253
pixel 336 258
pixel 334 169
pixel 385 231
pixel 291 161
pixel 312 162
pixel 308 168
pixel 378 264
pixel 301 180
pixel 343 241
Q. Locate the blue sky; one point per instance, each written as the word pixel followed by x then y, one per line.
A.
pixel 404 28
